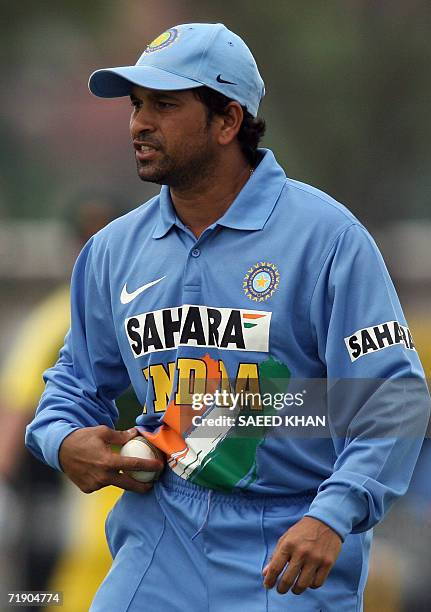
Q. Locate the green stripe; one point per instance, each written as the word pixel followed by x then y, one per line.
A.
pixel 234 458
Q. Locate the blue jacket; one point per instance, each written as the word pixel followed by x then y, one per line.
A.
pixel 287 286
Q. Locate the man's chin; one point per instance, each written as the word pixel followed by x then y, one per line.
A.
pixel 150 175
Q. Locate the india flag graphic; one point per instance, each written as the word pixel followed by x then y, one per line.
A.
pixel 225 457
pixel 250 319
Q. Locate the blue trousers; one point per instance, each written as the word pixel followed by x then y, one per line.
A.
pixel 182 548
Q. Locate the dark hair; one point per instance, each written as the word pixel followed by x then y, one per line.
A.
pixel 252 128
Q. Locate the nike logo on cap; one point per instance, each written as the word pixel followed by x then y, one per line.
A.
pixel 220 80
pixel 127 297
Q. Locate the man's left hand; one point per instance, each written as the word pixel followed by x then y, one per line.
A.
pixel 310 548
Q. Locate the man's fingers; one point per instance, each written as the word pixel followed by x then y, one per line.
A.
pixel 275 566
pixel 310 549
pixel 305 579
pixel 123 481
pixel 88 459
pixel 289 576
pixel 112 436
pixel 321 575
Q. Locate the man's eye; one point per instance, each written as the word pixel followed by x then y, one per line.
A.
pixel 162 104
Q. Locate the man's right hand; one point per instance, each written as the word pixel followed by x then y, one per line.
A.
pixel 88 460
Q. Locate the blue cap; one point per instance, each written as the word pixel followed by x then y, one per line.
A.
pixel 185 57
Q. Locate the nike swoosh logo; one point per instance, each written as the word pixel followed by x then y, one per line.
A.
pixel 220 80
pixel 127 297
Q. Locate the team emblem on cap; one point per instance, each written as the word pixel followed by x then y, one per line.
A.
pixel 162 41
pixel 261 281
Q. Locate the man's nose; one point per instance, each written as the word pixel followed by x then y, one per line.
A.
pixel 142 121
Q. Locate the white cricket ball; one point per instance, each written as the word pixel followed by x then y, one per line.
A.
pixel 142 448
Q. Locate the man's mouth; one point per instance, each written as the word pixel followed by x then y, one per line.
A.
pixel 144 151
pixel 146 148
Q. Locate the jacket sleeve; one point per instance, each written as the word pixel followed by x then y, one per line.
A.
pixel 81 388
pixel 377 397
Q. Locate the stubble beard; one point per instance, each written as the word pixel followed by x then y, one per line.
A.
pixel 183 171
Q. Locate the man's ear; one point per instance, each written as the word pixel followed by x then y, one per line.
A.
pixel 229 123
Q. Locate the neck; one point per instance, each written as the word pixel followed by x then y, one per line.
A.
pixel 209 198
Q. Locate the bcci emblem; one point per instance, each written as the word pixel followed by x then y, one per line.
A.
pixel 261 281
pixel 162 41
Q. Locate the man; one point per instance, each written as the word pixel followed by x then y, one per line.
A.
pixel 232 278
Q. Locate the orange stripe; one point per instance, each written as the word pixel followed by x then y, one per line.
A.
pixel 169 438
pixel 253 316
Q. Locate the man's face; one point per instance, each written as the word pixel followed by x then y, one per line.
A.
pixel 174 145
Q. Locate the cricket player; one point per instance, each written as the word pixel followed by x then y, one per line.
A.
pixel 233 279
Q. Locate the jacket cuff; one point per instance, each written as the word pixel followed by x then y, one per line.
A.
pixel 341 507
pixel 50 440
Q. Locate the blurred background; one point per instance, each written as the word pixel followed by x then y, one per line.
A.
pixel 347 110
